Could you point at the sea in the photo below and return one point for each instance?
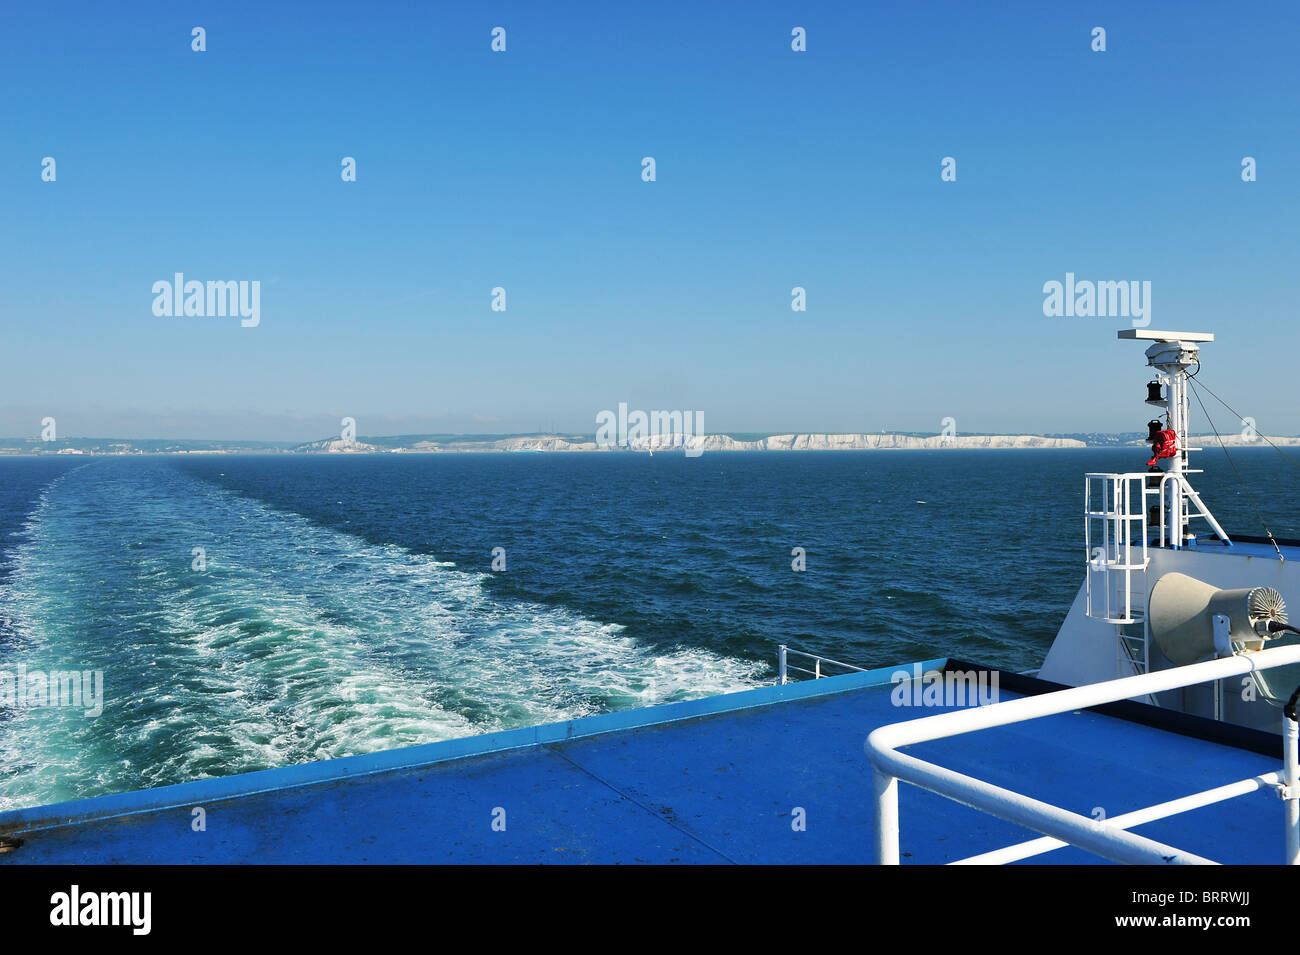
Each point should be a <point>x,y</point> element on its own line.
<point>250,612</point>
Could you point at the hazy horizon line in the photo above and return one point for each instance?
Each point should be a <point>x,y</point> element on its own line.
<point>567,435</point>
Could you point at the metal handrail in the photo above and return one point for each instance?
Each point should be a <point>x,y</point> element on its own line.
<point>1184,489</point>
<point>1109,840</point>
<point>1119,539</point>
<point>784,666</point>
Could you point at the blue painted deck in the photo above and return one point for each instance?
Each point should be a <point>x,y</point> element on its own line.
<point>708,781</point>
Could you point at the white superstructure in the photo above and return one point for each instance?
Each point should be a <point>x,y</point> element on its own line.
<point>1141,526</point>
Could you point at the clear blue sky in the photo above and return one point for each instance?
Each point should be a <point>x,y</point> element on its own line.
<point>523,170</point>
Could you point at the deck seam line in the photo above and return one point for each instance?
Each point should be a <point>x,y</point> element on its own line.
<point>644,808</point>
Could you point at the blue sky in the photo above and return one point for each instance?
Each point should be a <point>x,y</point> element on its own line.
<point>522,170</point>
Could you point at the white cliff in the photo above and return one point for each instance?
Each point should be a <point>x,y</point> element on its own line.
<point>779,442</point>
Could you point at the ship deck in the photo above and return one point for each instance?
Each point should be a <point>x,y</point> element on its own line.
<point>715,780</point>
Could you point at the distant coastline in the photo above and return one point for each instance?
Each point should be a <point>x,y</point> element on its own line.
<point>580,444</point>
<point>722,442</point>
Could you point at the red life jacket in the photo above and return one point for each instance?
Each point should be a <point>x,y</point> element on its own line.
<point>1164,446</point>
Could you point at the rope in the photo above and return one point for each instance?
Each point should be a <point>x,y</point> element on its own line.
<point>1196,390</point>
<point>1199,384</point>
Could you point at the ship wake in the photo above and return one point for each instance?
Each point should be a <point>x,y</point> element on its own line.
<point>234,637</point>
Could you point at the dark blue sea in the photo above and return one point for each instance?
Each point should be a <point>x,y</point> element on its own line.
<point>347,604</point>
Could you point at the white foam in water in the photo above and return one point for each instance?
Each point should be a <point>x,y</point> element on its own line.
<point>298,642</point>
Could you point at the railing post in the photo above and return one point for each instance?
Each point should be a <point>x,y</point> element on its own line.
<point>780,656</point>
<point>1058,824</point>
<point>886,792</point>
<point>1291,778</point>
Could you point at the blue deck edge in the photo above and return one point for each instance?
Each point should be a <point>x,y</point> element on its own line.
<point>19,821</point>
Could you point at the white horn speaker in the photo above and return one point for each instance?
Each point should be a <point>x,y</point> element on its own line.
<point>1181,612</point>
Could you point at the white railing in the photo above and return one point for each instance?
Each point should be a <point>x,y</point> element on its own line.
<point>1181,496</point>
<point>1115,540</point>
<point>785,667</point>
<point>1109,838</point>
<point>1115,533</point>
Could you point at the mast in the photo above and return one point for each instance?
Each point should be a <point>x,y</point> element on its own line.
<point>1172,355</point>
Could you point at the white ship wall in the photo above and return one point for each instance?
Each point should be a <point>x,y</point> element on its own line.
<point>1086,649</point>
